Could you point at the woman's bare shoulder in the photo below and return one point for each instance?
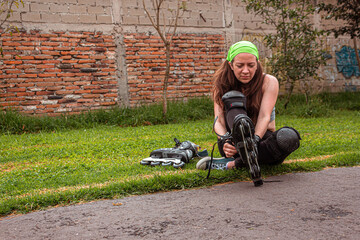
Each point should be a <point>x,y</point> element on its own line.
<point>270,82</point>
<point>270,78</point>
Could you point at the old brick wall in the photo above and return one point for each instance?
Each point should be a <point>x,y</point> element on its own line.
<point>76,55</point>
<point>58,72</point>
<point>195,57</point>
<point>59,62</point>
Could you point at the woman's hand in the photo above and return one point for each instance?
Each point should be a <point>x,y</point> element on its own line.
<point>229,150</point>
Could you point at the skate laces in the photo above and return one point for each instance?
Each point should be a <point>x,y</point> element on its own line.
<point>225,137</point>
<point>219,166</point>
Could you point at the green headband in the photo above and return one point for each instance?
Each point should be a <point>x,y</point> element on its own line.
<point>242,47</point>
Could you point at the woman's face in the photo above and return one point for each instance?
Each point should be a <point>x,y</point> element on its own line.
<point>244,66</point>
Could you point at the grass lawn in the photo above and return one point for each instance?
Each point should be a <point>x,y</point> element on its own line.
<point>38,170</point>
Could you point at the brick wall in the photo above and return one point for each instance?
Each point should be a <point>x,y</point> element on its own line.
<point>75,55</point>
<point>194,60</point>
<point>57,72</point>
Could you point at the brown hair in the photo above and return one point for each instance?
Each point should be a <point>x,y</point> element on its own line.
<point>225,81</point>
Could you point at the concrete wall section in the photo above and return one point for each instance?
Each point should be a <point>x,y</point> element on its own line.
<point>75,15</point>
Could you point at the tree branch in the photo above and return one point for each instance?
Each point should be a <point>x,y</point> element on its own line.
<point>157,24</point>
<point>8,11</point>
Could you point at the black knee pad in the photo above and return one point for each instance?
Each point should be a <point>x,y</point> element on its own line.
<point>234,99</point>
<point>288,139</point>
<point>283,142</point>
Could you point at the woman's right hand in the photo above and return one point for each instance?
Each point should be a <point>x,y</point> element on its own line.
<point>229,150</point>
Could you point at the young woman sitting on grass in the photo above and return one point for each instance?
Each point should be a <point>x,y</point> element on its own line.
<point>244,107</point>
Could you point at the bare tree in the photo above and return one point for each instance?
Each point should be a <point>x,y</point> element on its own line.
<point>166,33</point>
<point>6,10</point>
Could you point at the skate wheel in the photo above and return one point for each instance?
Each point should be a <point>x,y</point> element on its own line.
<point>166,163</point>
<point>249,144</point>
<point>181,164</point>
<point>255,172</point>
<point>246,126</point>
<point>241,127</point>
<point>142,162</point>
<point>253,156</point>
<point>255,168</point>
<point>155,163</point>
<point>258,183</point>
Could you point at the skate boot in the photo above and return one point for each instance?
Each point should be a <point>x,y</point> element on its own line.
<point>242,133</point>
<point>243,136</point>
<point>177,156</point>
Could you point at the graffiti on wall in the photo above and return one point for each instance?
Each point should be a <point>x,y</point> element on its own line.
<point>346,62</point>
<point>350,87</point>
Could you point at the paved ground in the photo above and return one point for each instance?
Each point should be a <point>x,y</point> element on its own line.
<point>320,205</point>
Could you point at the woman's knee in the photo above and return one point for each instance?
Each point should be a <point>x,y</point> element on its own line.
<point>279,145</point>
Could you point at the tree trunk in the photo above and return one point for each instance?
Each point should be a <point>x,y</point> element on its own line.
<point>289,93</point>
<point>307,97</point>
<point>166,78</point>
<point>356,52</point>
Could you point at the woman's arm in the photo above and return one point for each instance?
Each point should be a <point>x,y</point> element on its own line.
<point>270,94</point>
<point>220,128</point>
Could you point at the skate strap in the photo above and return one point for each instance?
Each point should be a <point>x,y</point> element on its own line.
<point>177,142</point>
<point>211,160</point>
<point>237,105</point>
<point>224,137</point>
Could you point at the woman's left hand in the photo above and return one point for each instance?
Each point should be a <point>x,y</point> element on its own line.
<point>229,150</point>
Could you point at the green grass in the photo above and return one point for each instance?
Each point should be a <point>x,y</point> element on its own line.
<point>47,169</point>
<point>321,105</point>
<point>61,167</point>
<point>12,122</point>
<point>178,112</point>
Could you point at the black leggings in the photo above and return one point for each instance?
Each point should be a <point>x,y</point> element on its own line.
<point>265,156</point>
<point>274,147</point>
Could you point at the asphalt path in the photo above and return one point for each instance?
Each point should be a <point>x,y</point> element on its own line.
<point>318,205</point>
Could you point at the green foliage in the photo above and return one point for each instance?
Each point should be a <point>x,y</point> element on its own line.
<point>6,9</point>
<point>346,10</point>
<point>194,109</point>
<point>320,105</point>
<point>296,45</point>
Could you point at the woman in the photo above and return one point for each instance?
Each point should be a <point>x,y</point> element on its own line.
<point>244,95</point>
